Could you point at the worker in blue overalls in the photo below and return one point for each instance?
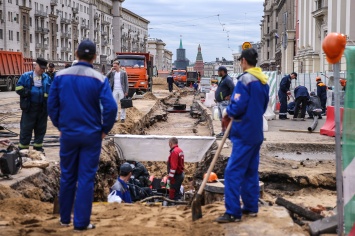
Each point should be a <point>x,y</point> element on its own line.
<point>33,88</point>
<point>248,105</point>
<point>284,92</point>
<point>74,107</point>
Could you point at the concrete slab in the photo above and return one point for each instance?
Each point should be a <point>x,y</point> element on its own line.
<point>22,175</point>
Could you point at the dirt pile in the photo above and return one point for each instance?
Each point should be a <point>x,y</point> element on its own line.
<point>132,116</point>
<point>149,96</point>
<point>7,192</point>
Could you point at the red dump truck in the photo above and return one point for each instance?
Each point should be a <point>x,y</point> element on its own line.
<point>140,71</point>
<point>12,66</point>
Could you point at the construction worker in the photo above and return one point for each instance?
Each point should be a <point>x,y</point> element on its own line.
<point>322,93</point>
<point>51,71</point>
<point>314,107</point>
<point>175,166</point>
<point>223,93</point>
<point>33,88</point>
<point>284,92</point>
<point>140,173</point>
<point>74,108</point>
<point>119,86</point>
<point>121,186</point>
<point>302,97</point>
<point>248,105</point>
<point>170,81</point>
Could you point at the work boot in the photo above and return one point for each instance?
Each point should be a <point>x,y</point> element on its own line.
<point>80,229</point>
<point>220,135</point>
<point>249,213</point>
<point>39,149</point>
<point>122,120</point>
<point>226,218</point>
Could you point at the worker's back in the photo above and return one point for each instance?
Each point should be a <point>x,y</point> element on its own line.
<point>76,95</point>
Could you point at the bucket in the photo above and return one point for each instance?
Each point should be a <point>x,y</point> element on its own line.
<point>215,112</point>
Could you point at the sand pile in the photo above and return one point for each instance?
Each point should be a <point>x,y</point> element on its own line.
<point>149,96</point>
<point>132,115</point>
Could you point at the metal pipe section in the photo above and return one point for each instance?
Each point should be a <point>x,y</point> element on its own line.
<point>339,168</point>
<point>314,124</point>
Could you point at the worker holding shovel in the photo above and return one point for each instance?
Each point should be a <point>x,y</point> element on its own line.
<point>248,104</point>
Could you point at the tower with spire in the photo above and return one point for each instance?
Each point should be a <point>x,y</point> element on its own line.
<point>199,61</point>
<point>181,61</point>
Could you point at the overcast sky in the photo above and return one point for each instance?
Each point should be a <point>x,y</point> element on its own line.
<point>198,23</point>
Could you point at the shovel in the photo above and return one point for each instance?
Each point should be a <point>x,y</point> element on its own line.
<point>196,203</point>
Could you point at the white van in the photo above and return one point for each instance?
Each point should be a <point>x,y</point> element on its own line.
<point>205,85</point>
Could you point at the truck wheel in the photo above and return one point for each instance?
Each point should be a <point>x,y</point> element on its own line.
<point>9,84</point>
<point>15,83</point>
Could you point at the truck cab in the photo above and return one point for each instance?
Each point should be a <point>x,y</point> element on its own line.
<point>140,71</point>
<point>180,77</point>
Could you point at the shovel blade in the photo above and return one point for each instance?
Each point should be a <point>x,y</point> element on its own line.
<point>196,208</point>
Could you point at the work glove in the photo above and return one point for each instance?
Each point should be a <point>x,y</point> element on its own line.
<point>224,113</point>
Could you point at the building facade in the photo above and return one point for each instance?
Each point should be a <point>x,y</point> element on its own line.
<point>278,29</point>
<point>181,61</point>
<point>162,56</point>
<point>52,29</point>
<point>199,66</point>
<point>208,69</point>
<point>315,20</point>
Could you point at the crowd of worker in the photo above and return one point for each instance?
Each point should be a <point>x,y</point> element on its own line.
<point>83,104</point>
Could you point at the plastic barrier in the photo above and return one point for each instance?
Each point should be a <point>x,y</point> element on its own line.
<point>329,125</point>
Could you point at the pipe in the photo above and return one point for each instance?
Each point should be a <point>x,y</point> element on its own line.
<point>314,124</point>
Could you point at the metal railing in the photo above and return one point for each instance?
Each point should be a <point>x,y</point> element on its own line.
<point>105,22</point>
<point>54,2</point>
<point>26,27</point>
<point>104,33</point>
<point>40,13</point>
<point>38,29</point>
<point>64,20</point>
<point>75,10</point>
<point>45,30</point>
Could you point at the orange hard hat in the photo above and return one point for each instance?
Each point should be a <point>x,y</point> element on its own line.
<point>342,82</point>
<point>333,46</point>
<point>318,78</point>
<point>213,177</point>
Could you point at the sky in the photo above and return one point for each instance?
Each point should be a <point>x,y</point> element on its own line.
<point>220,26</point>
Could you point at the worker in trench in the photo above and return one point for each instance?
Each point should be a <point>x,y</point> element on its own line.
<point>248,105</point>
<point>170,81</point>
<point>223,93</point>
<point>33,88</point>
<point>74,107</point>
<point>175,168</point>
<point>284,93</point>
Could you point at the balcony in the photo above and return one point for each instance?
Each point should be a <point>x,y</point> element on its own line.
<point>39,13</point>
<point>26,27</point>
<point>38,29</point>
<point>64,20</point>
<point>45,30</point>
<point>54,2</point>
<point>84,26</point>
<point>104,33</point>
<point>42,46</point>
<point>96,41</point>
<point>104,43</point>
<point>75,10</point>
<point>84,38</point>
<point>321,9</point>
<point>26,45</point>
<point>105,22</point>
<point>96,17</point>
<point>66,35</point>
<point>96,29</point>
<point>65,49</point>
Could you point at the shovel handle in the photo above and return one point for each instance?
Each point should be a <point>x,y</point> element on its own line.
<point>214,160</point>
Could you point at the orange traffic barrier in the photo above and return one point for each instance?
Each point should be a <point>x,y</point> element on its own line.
<point>329,126</point>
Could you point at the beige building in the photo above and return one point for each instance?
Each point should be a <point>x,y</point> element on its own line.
<point>134,31</point>
<point>277,46</point>
<point>162,57</point>
<point>52,29</point>
<point>209,69</point>
<point>316,19</point>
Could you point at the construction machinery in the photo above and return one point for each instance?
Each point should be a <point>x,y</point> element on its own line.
<point>12,66</point>
<point>192,77</point>
<point>180,77</point>
<point>140,71</point>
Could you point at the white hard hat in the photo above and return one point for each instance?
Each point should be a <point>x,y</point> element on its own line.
<point>74,62</point>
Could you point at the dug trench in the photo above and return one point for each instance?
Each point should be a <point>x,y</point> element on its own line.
<point>307,183</point>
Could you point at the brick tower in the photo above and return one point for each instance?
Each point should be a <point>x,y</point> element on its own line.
<point>199,61</point>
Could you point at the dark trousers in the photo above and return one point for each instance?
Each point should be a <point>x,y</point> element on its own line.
<point>170,87</point>
<point>283,104</point>
<point>323,103</point>
<point>79,160</point>
<point>33,120</point>
<point>175,185</point>
<point>241,178</point>
<point>300,101</point>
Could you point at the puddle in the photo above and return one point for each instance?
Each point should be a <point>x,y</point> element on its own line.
<point>304,156</point>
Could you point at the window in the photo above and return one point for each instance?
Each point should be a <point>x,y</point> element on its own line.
<point>9,1</point>
<point>17,18</point>
<point>30,21</point>
<point>18,36</point>
<point>30,38</point>
<point>16,2</point>
<point>11,35</point>
<point>30,3</point>
<point>31,54</point>
<point>36,6</point>
<point>1,34</point>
